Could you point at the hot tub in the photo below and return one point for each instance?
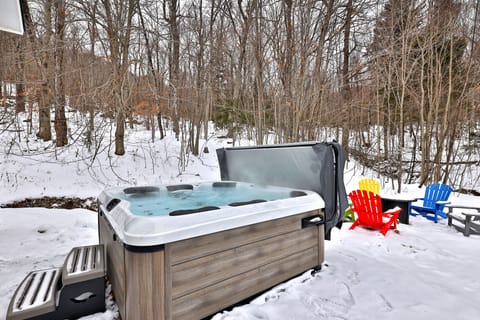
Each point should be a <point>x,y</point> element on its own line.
<point>188,251</point>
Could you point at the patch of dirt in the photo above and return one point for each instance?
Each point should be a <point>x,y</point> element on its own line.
<point>55,202</point>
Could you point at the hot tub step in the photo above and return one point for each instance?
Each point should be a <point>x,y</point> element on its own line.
<point>83,278</point>
<point>35,296</point>
<point>75,290</point>
<point>83,263</point>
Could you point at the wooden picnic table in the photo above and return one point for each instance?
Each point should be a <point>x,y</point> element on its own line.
<point>469,218</point>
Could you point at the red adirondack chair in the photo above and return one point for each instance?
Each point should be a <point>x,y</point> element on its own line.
<point>368,207</point>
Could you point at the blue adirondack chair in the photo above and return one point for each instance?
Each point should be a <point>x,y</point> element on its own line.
<point>435,199</point>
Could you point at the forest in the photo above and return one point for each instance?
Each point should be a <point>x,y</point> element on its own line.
<point>397,82</point>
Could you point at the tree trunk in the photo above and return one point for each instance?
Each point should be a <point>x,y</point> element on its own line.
<point>20,73</point>
<point>118,28</point>
<point>42,61</point>
<point>154,74</point>
<point>239,92</point>
<point>46,93</point>
<point>346,92</point>
<point>196,116</point>
<point>60,121</point>
<point>160,125</point>
<point>319,94</point>
<point>89,101</point>
<point>174,60</point>
<point>259,88</point>
<point>44,104</point>
<point>442,134</point>
<point>120,134</point>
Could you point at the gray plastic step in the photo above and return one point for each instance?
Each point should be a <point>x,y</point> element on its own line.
<point>36,295</point>
<point>75,290</point>
<point>83,263</point>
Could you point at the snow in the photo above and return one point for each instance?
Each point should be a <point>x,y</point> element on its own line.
<point>426,271</point>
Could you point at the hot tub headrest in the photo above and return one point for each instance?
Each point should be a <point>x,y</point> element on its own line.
<point>177,187</point>
<point>140,190</point>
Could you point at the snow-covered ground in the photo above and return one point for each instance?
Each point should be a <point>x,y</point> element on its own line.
<point>427,271</point>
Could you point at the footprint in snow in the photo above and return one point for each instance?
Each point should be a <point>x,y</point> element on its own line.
<point>274,296</point>
<point>385,304</point>
<point>257,314</point>
<point>324,308</point>
<point>334,307</point>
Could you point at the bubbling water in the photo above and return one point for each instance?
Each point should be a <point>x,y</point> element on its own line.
<point>163,202</point>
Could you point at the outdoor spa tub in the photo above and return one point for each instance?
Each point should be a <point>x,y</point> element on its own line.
<point>189,251</point>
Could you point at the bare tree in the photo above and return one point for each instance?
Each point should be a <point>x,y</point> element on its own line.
<point>20,87</point>
<point>60,121</point>
<point>117,21</point>
<point>154,73</point>
<point>297,69</point>
<point>171,15</point>
<point>44,65</point>
<point>346,90</point>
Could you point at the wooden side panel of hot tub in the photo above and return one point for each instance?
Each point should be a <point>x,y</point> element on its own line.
<point>145,293</point>
<point>210,273</point>
<point>115,258</point>
<point>194,278</point>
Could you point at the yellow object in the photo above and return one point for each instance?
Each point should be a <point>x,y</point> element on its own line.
<point>369,184</point>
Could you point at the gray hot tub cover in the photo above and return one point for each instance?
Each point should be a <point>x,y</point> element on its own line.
<point>316,166</point>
